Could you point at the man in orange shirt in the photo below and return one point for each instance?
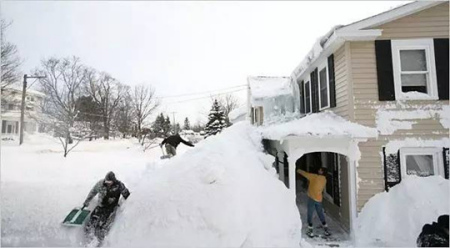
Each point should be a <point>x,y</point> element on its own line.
<point>316,185</point>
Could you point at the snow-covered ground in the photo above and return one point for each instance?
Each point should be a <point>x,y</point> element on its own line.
<point>223,192</point>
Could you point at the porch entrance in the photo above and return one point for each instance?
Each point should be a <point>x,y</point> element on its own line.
<point>336,201</point>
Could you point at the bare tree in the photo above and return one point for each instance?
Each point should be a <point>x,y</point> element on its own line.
<point>228,103</point>
<point>107,92</point>
<point>145,103</point>
<point>62,86</point>
<point>10,60</point>
<point>124,115</point>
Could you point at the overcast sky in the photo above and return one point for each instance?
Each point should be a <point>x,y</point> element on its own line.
<point>180,47</point>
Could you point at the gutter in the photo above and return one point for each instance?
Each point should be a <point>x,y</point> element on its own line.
<point>336,40</point>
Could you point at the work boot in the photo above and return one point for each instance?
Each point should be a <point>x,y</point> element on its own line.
<point>309,232</point>
<point>325,230</point>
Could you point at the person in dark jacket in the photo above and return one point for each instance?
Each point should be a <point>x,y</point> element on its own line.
<point>435,234</point>
<point>108,190</point>
<point>172,142</point>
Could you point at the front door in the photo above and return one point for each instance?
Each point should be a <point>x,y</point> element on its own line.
<point>9,128</point>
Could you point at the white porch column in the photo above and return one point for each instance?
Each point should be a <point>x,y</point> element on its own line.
<point>292,182</point>
<point>353,197</point>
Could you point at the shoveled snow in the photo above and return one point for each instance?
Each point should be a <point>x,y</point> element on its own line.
<point>319,124</point>
<point>415,95</point>
<point>222,192</point>
<point>262,87</point>
<point>396,218</point>
<point>219,194</point>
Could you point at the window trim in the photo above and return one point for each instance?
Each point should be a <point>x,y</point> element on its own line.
<point>438,165</point>
<point>323,66</point>
<point>307,80</point>
<point>414,44</point>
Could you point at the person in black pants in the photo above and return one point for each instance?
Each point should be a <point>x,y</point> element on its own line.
<point>109,191</point>
<point>172,142</point>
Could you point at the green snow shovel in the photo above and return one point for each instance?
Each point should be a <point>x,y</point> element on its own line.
<point>76,217</point>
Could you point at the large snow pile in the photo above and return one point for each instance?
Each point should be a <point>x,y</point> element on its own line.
<point>319,124</point>
<point>396,218</point>
<point>263,87</point>
<point>223,193</point>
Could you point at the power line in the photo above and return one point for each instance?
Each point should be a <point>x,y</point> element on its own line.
<point>204,92</point>
<point>204,97</point>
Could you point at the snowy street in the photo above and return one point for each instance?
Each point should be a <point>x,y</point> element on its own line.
<point>206,196</point>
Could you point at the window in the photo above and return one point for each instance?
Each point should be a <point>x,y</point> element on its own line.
<point>307,97</point>
<point>10,106</point>
<point>420,161</point>
<point>323,87</point>
<point>414,69</point>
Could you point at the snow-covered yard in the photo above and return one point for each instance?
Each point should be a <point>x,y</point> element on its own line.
<point>223,192</point>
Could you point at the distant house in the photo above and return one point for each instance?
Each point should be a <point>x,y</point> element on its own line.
<point>372,100</point>
<point>10,115</point>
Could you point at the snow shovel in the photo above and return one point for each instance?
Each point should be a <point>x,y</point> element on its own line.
<point>76,217</point>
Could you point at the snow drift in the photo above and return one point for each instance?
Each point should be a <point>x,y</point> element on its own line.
<point>396,218</point>
<point>223,193</point>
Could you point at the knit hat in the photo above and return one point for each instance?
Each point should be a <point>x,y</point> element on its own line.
<point>110,176</point>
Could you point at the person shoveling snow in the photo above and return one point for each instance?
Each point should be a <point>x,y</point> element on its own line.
<point>171,144</point>
<point>109,191</point>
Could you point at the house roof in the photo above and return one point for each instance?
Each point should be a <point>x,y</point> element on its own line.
<point>321,124</point>
<point>360,30</point>
<point>29,91</point>
<point>266,87</point>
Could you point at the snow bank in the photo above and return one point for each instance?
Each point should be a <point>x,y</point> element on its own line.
<point>319,124</point>
<point>219,194</point>
<point>396,218</point>
<point>238,114</point>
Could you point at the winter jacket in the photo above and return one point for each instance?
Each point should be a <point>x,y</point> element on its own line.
<point>108,196</point>
<point>175,140</point>
<point>316,184</point>
<point>434,235</point>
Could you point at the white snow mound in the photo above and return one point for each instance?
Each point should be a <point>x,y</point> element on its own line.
<point>219,194</point>
<point>396,218</point>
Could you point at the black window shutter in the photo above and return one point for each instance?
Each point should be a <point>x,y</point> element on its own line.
<point>3,126</point>
<point>441,58</point>
<point>392,169</point>
<point>446,161</point>
<point>336,187</point>
<point>286,169</point>
<point>314,91</point>
<point>302,96</point>
<point>331,81</point>
<point>17,126</point>
<point>385,73</point>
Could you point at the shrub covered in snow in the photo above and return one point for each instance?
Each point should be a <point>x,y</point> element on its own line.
<point>396,218</point>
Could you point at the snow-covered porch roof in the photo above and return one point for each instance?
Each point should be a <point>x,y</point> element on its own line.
<point>321,132</point>
<point>325,124</point>
<point>263,87</point>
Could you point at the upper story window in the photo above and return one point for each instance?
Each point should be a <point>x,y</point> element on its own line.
<point>10,106</point>
<point>324,92</point>
<point>307,94</point>
<point>414,69</point>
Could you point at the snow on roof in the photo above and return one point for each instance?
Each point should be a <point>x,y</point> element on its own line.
<point>29,91</point>
<point>238,112</point>
<point>348,31</point>
<point>321,124</point>
<point>266,87</point>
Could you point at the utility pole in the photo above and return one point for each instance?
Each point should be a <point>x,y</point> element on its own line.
<point>22,107</point>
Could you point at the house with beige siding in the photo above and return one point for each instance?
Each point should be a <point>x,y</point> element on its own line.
<point>386,76</point>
